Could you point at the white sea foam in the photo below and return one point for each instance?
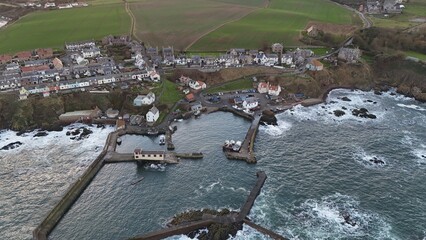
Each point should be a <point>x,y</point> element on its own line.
<point>325,112</point>
<point>411,106</point>
<point>325,219</point>
<point>366,159</point>
<point>278,130</point>
<point>45,168</point>
<point>249,233</point>
<point>420,153</point>
<point>156,167</point>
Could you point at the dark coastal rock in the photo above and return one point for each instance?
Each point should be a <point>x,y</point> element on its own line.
<point>370,101</point>
<point>41,134</point>
<point>377,92</point>
<point>344,108</point>
<point>392,94</point>
<point>339,113</point>
<point>215,230</point>
<point>79,133</point>
<point>346,99</point>
<point>268,117</point>
<point>11,146</point>
<point>55,127</point>
<point>377,161</point>
<point>363,113</point>
<point>332,102</point>
<point>100,126</point>
<point>348,220</point>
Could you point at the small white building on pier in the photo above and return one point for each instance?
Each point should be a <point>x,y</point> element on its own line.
<point>139,154</point>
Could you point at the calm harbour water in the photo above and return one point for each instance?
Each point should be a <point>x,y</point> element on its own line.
<point>317,165</point>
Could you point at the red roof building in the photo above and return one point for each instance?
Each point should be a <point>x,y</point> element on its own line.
<point>44,53</point>
<point>35,68</point>
<point>24,56</point>
<point>5,58</point>
<point>190,97</point>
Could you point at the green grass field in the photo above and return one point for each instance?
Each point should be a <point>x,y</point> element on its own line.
<point>170,94</point>
<point>281,22</point>
<point>54,28</point>
<point>178,23</point>
<point>240,84</point>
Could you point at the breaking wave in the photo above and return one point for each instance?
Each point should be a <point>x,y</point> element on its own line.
<point>338,216</point>
<point>369,160</point>
<point>278,130</point>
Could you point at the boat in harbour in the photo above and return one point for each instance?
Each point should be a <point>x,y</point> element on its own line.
<point>162,140</point>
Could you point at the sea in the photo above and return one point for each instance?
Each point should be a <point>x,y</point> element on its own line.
<point>321,168</point>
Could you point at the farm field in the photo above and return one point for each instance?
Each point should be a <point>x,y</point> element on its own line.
<point>240,84</point>
<point>180,22</point>
<point>54,28</point>
<point>281,22</point>
<point>420,56</point>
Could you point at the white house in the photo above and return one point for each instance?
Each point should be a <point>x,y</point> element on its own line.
<point>250,103</point>
<point>274,90</point>
<point>263,87</point>
<point>154,76</point>
<point>81,61</point>
<point>139,154</point>
<point>197,85</point>
<point>91,52</point>
<point>144,99</point>
<point>49,4</point>
<point>152,115</point>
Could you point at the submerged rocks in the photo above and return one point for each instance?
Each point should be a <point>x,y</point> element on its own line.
<point>363,113</point>
<point>41,134</point>
<point>11,146</point>
<point>348,220</point>
<point>346,99</point>
<point>377,161</point>
<point>339,113</point>
<point>79,133</point>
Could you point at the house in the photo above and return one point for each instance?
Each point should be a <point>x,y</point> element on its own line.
<point>44,53</point>
<point>197,85</point>
<point>277,48</point>
<point>312,31</point>
<point>12,66</point>
<point>190,97</point>
<point>139,154</point>
<point>152,115</point>
<point>84,115</point>
<point>57,63</point>
<point>184,80</point>
<point>33,63</point>
<point>168,54</point>
<point>250,103</point>
<point>144,99</point>
<point>350,55</point>
<point>154,76</point>
<point>196,108</point>
<point>151,51</point>
<point>237,51</point>
<point>315,65</point>
<point>81,61</point>
<point>24,56</point>
<point>263,87</point>
<point>49,4</point>
<point>91,52</point>
<point>23,94</point>
<point>274,90</point>
<point>391,6</point>
<point>64,6</point>
<point>116,40</point>
<point>79,45</point>
<point>6,58</point>
<point>238,100</point>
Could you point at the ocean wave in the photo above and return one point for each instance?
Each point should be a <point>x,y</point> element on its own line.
<point>369,160</point>
<point>155,167</point>
<point>338,216</point>
<point>411,106</point>
<point>420,153</point>
<point>249,233</point>
<point>276,130</point>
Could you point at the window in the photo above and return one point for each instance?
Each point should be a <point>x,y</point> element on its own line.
<point>143,155</point>
<point>155,155</point>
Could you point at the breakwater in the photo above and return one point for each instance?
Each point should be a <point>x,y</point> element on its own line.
<point>207,220</point>
<point>55,215</point>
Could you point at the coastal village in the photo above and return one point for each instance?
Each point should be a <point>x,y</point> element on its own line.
<point>117,62</point>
